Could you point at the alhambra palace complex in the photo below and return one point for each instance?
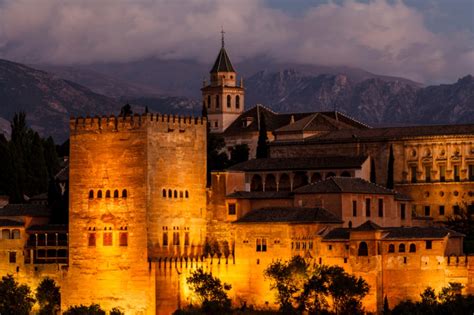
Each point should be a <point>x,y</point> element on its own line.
<point>141,216</point>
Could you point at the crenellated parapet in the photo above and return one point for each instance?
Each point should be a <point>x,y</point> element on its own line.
<point>122,123</point>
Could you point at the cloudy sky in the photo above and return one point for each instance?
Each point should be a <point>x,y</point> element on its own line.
<point>429,41</point>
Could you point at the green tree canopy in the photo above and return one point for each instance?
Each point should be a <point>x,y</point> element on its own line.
<point>15,299</point>
<point>48,297</point>
<point>93,309</point>
<point>262,143</point>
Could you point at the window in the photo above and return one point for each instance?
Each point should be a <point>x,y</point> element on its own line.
<point>208,101</point>
<point>5,234</point>
<point>456,173</point>
<point>367,207</point>
<point>237,102</point>
<point>181,194</point>
<point>107,194</point>
<point>107,238</point>
<point>216,124</point>
<point>91,239</point>
<point>91,194</point>
<point>413,174</point>
<point>176,238</point>
<point>164,193</point>
<point>412,248</point>
<point>170,193</point>
<point>441,210</point>
<point>471,172</point>
<point>428,174</point>
<point>456,210</point>
<point>262,245</point>
<point>310,244</point>
<point>124,193</point>
<point>228,101</point>
<point>231,208</point>
<point>116,193</point>
<point>16,234</point>
<point>442,173</point>
<point>329,247</point>
<point>363,249</point>
<point>350,225</point>
<point>403,211</point>
<point>186,194</point>
<point>186,238</point>
<point>175,194</point>
<point>380,207</point>
<point>428,244</point>
<point>427,211</point>
<point>12,257</point>
<point>165,237</point>
<point>401,248</point>
<point>217,101</point>
<point>99,194</point>
<point>391,248</point>
<point>354,208</point>
<point>123,239</point>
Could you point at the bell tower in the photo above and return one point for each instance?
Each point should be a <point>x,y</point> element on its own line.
<point>222,99</point>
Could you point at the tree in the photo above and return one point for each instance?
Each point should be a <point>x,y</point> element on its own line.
<point>210,291</point>
<point>48,297</point>
<point>15,299</point>
<point>346,291</point>
<point>126,110</point>
<point>116,311</point>
<point>373,177</point>
<point>448,294</point>
<point>391,162</point>
<point>262,144</point>
<point>239,153</point>
<point>386,308</point>
<point>93,309</point>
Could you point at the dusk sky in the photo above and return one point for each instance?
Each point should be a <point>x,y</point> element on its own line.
<point>430,41</point>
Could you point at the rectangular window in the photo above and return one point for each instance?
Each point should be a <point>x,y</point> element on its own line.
<point>413,174</point>
<point>165,238</point>
<point>456,173</point>
<point>428,174</point>
<point>329,247</point>
<point>107,238</point>
<point>91,239</point>
<point>259,245</point>
<point>367,207</point>
<point>186,238</point>
<point>176,238</point>
<point>380,207</point>
<point>427,211</point>
<point>12,257</point>
<point>403,211</point>
<point>297,245</point>
<point>231,209</point>
<point>442,173</point>
<point>354,208</point>
<point>310,245</point>
<point>441,210</point>
<point>123,239</point>
<point>429,244</point>
<point>264,244</point>
<point>456,210</point>
<point>471,172</point>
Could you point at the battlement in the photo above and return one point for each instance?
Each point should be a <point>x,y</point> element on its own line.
<point>119,123</point>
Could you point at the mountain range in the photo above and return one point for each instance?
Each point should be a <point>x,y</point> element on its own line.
<point>50,94</point>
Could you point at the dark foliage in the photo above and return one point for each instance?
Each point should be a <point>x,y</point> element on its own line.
<point>262,144</point>
<point>93,309</point>
<point>373,176</point>
<point>15,299</point>
<point>48,297</point>
<point>126,110</point>
<point>240,153</point>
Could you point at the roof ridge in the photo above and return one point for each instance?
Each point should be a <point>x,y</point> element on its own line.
<point>332,178</point>
<point>352,118</point>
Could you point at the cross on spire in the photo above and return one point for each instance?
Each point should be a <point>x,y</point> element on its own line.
<point>222,33</point>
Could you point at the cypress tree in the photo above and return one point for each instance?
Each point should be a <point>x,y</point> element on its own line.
<point>262,144</point>
<point>373,177</point>
<point>386,308</point>
<point>391,161</point>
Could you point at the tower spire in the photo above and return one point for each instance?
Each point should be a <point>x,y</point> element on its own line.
<point>222,33</point>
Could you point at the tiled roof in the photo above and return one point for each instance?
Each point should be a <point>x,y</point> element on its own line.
<point>420,232</point>
<point>344,185</point>
<point>6,222</point>
<point>402,197</point>
<point>25,209</point>
<point>289,215</point>
<point>302,163</point>
<point>48,228</point>
<point>315,122</point>
<point>261,195</point>
<point>337,234</point>
<point>367,226</point>
<point>222,63</point>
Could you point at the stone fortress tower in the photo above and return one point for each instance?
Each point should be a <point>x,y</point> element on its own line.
<point>136,197</point>
<point>223,98</point>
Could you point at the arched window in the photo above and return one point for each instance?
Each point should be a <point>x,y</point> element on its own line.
<point>186,194</point>
<point>16,234</point>
<point>217,101</point>
<point>350,224</point>
<point>229,101</point>
<point>330,174</point>
<point>345,174</point>
<point>164,193</point>
<point>5,234</point>
<point>316,177</point>
<point>270,183</point>
<point>401,248</point>
<point>300,179</point>
<point>91,194</point>
<point>107,194</point>
<point>391,248</point>
<point>170,193</point>
<point>208,101</point>
<point>363,249</point>
<point>116,194</point>
<point>284,183</point>
<point>412,248</point>
<point>176,194</point>
<point>124,193</point>
<point>256,184</point>
<point>99,194</point>
<point>181,195</point>
<point>237,102</point>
